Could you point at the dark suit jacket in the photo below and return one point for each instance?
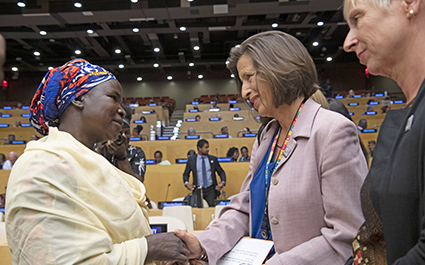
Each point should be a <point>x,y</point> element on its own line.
<point>215,167</point>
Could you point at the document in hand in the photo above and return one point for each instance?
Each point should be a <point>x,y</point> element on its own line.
<point>248,251</point>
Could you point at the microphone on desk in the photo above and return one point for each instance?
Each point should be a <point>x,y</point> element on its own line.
<point>166,195</point>
<point>216,152</point>
<point>224,194</point>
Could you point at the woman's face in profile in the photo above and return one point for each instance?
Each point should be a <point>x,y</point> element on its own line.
<point>102,112</point>
<point>236,155</point>
<point>254,88</point>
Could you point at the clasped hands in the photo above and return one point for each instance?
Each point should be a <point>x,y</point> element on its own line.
<point>178,247</point>
<point>191,187</point>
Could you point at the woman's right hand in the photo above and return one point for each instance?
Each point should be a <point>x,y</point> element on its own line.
<point>166,247</point>
<point>192,243</point>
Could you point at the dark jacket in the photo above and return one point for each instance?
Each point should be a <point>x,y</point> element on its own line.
<point>215,167</point>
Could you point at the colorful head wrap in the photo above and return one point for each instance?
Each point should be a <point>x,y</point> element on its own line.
<point>59,87</point>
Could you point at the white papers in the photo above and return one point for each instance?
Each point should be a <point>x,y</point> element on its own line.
<point>248,251</point>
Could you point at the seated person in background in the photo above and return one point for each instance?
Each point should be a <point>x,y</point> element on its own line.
<point>143,118</point>
<point>190,153</point>
<point>6,141</point>
<point>77,207</point>
<point>3,159</point>
<point>371,145</point>
<point>231,106</point>
<point>128,158</point>
<point>196,100</point>
<point>233,153</point>
<point>196,107</point>
<point>191,131</point>
<point>246,130</point>
<point>362,125</point>
<point>214,107</point>
<point>245,157</point>
<point>236,115</point>
<point>225,130</point>
<point>17,124</point>
<point>197,117</point>
<point>385,108</point>
<point>218,98</point>
<point>204,167</point>
<point>11,138</point>
<point>158,159</point>
<point>8,165</point>
<point>368,108</point>
<point>136,131</point>
<point>351,94</point>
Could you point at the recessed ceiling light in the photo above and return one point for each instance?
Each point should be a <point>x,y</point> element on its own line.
<point>117,51</point>
<point>37,53</point>
<point>50,68</point>
<point>275,25</point>
<point>191,64</point>
<point>90,31</point>
<point>182,28</point>
<point>14,69</point>
<point>21,4</point>
<point>320,23</point>
<point>77,52</point>
<point>155,65</point>
<point>329,59</point>
<point>139,79</point>
<point>232,76</point>
<point>121,66</point>
<point>169,77</point>
<point>190,0</point>
<point>78,5</point>
<point>227,62</point>
<point>134,1</point>
<point>156,49</point>
<point>196,48</point>
<point>200,76</point>
<point>135,30</point>
<point>315,43</point>
<point>42,32</point>
<point>237,46</point>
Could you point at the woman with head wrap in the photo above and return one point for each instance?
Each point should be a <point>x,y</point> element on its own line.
<point>66,204</point>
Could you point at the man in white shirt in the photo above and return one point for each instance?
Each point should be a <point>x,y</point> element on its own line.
<point>9,163</point>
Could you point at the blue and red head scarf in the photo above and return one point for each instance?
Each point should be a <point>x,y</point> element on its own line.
<point>59,87</point>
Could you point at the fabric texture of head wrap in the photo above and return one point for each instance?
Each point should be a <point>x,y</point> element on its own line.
<point>59,87</point>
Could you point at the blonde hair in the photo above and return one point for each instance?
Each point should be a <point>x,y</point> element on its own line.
<point>281,60</point>
<point>352,3</point>
<point>320,98</point>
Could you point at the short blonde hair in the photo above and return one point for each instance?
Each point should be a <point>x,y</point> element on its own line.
<point>320,98</point>
<point>376,3</point>
<point>281,60</point>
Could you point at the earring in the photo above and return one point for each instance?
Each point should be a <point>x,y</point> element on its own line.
<point>411,13</point>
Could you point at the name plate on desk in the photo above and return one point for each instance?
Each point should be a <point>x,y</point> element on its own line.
<point>135,139</point>
<point>369,131</point>
<point>181,160</point>
<point>221,136</point>
<point>339,97</point>
<point>161,138</point>
<point>195,103</point>
<point>235,109</point>
<point>379,95</point>
<point>133,105</point>
<point>357,96</point>
<point>150,162</point>
<point>398,101</point>
<point>238,118</point>
<point>152,104</point>
<point>25,125</point>
<point>224,159</point>
<point>374,103</point>
<point>7,107</point>
<point>214,119</point>
<point>233,101</point>
<point>189,137</point>
<point>138,121</point>
<point>18,142</point>
<point>221,202</point>
<point>249,135</point>
<point>25,107</point>
<point>191,120</point>
<point>353,104</point>
<point>5,115</point>
<point>25,115</point>
<point>370,112</point>
<point>193,110</point>
<point>171,203</point>
<point>146,112</point>
<point>2,125</point>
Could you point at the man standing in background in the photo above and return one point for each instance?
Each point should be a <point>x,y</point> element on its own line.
<point>204,167</point>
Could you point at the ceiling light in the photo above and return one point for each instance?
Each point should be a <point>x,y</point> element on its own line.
<point>117,51</point>
<point>191,64</point>
<point>196,48</point>
<point>275,25</point>
<point>237,46</point>
<point>169,77</point>
<point>315,43</point>
<point>42,32</point>
<point>21,4</point>
<point>320,23</point>
<point>90,31</point>
<point>200,76</point>
<point>135,30</point>
<point>182,28</point>
<point>37,53</point>
<point>155,65</point>
<point>190,0</point>
<point>78,5</point>
<point>77,52</point>
<point>232,76</point>
<point>156,49</point>
<point>14,69</point>
<point>50,68</point>
<point>134,1</point>
<point>121,66</point>
<point>227,62</point>
<point>329,59</point>
<point>139,79</point>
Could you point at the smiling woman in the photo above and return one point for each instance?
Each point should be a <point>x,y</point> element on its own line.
<point>66,204</point>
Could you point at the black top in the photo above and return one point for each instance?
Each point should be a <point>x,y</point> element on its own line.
<point>397,182</point>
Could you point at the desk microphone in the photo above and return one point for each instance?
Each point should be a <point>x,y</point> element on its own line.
<point>166,195</point>
<point>224,194</point>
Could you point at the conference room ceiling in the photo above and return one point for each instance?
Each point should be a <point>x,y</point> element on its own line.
<point>215,26</point>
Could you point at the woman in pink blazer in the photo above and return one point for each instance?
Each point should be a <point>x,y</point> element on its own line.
<point>303,186</point>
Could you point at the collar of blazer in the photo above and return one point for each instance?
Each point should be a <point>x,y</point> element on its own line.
<point>304,123</point>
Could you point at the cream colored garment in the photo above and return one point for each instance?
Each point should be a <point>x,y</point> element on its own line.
<point>68,205</point>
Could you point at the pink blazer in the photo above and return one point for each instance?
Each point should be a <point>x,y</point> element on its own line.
<point>314,198</point>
